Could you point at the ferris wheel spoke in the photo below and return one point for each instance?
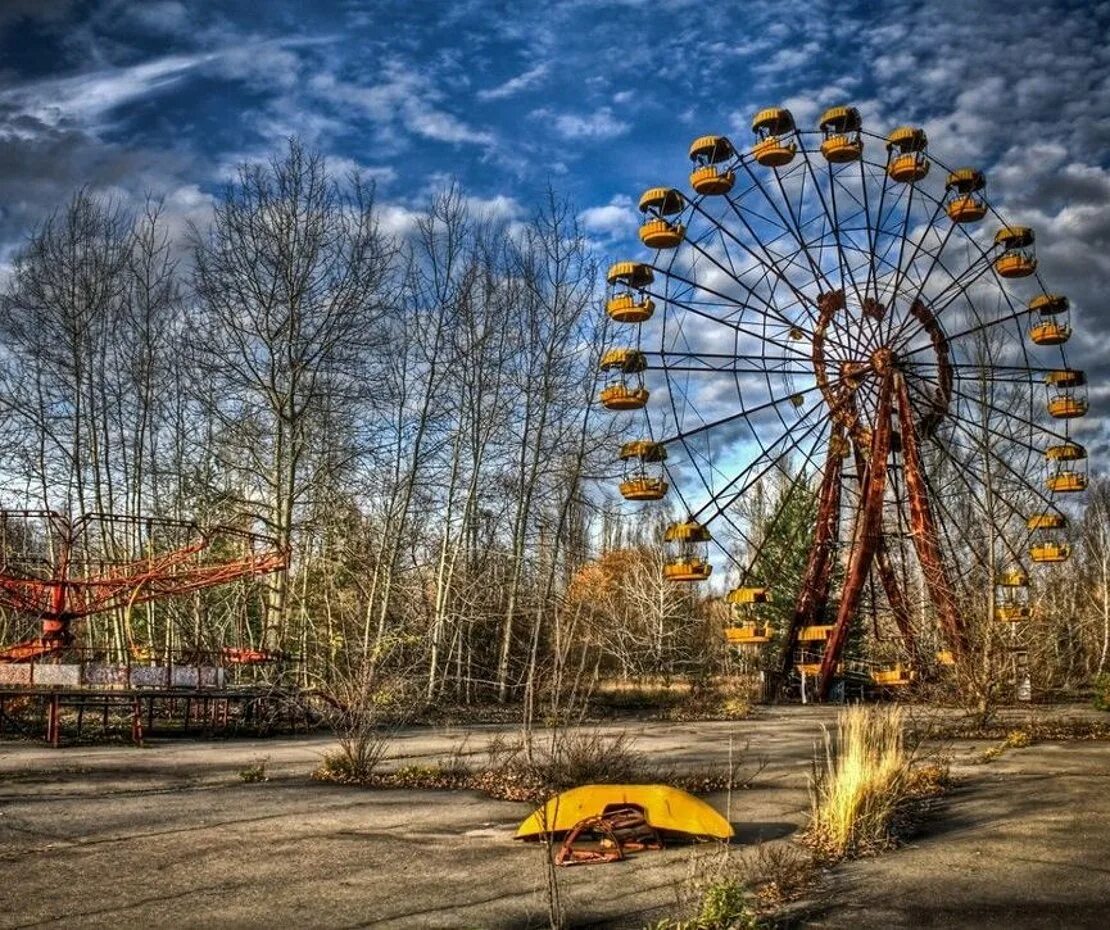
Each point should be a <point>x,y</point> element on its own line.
<point>845,267</point>
<point>1008,414</point>
<point>829,221</point>
<point>958,468</point>
<point>793,224</point>
<point>901,276</point>
<point>873,231</point>
<point>706,315</point>
<point>794,445</point>
<point>730,357</point>
<point>994,432</point>
<point>746,412</point>
<point>967,428</point>
<point>893,335</point>
<point>961,291</point>
<point>983,259</point>
<point>804,300</point>
<point>767,306</point>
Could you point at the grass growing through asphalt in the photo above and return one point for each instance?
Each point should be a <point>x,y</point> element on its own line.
<point>865,783</point>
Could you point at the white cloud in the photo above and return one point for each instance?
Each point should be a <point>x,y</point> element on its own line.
<point>404,102</point>
<point>87,98</point>
<point>515,85</point>
<point>601,123</point>
<point>612,220</point>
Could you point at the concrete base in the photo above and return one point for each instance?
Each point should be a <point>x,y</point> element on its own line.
<point>169,836</point>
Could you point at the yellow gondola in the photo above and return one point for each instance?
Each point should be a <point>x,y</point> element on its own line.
<point>1054,327</point>
<point>1049,333</point>
<point>626,308</point>
<point>1013,578</point>
<point>1066,475</point>
<point>1050,552</point>
<point>749,595</point>
<point>769,126</point>
<point>1068,482</point>
<point>1064,401</point>
<point>629,304</point>
<point>814,634</point>
<point>1017,259</point>
<point>906,159</point>
<point>707,153</point>
<point>895,677</point>
<point>622,397</point>
<point>688,545</point>
<point>643,488</point>
<point>657,232</point>
<point>747,635</point>
<point>1012,613</point>
<point>964,204</point>
<point>639,484</point>
<point>841,126</point>
<point>1046,521</point>
<point>620,393</point>
<point>635,275</point>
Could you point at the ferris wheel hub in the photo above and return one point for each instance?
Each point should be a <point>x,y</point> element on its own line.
<point>882,361</point>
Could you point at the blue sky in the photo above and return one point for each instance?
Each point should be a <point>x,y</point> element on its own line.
<point>599,99</point>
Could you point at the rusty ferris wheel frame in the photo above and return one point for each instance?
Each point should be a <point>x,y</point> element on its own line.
<point>849,310</point>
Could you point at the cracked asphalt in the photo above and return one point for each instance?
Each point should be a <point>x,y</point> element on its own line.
<point>169,836</point>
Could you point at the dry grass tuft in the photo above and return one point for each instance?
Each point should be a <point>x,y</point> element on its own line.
<point>255,772</point>
<point>866,782</point>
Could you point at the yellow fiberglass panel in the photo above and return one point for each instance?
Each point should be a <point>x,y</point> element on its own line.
<point>664,807</point>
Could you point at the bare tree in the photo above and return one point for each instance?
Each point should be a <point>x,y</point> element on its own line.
<point>292,281</point>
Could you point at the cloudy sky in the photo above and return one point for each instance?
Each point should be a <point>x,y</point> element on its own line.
<point>598,98</point>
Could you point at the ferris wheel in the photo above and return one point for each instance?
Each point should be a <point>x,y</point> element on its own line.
<point>838,310</point>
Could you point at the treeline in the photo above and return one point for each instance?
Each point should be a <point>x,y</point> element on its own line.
<point>410,415</point>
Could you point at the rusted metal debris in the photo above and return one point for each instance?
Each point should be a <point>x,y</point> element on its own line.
<point>608,837</point>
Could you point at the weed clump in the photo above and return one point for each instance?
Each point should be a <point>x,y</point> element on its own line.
<point>865,785</point>
<point>255,772</point>
<point>726,904</point>
<point>1101,697</point>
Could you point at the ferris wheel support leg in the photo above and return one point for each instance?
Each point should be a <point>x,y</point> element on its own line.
<point>818,574</point>
<point>923,528</point>
<point>868,533</point>
<point>889,579</point>
<point>897,601</point>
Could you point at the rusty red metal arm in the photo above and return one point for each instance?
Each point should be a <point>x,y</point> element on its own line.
<point>818,572</point>
<point>924,530</point>
<point>59,596</point>
<point>868,532</point>
<point>889,580</point>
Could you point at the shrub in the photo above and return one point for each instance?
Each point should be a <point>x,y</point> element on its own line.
<point>725,905</point>
<point>989,754</point>
<point>582,757</point>
<point>1101,697</point>
<point>1018,739</point>
<point>863,785</point>
<point>255,772</point>
<point>778,873</point>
